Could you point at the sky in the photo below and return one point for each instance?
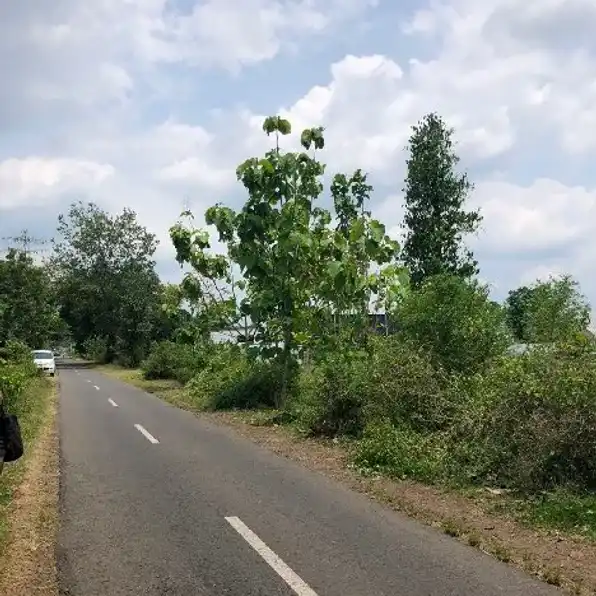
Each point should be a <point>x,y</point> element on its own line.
<point>151,104</point>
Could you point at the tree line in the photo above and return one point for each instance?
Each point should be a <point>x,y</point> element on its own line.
<point>303,274</point>
<point>443,397</point>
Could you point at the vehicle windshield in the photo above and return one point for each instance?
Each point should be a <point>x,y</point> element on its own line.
<point>42,355</point>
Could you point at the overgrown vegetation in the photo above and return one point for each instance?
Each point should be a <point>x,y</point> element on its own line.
<point>24,393</point>
<point>341,332</point>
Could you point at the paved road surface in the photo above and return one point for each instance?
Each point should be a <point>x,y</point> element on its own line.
<point>157,502</point>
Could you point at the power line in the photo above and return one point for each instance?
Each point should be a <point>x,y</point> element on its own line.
<point>25,242</point>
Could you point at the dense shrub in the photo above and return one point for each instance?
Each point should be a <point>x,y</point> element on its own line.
<point>454,320</point>
<point>170,360</point>
<point>530,421</point>
<point>17,352</point>
<point>230,379</point>
<point>400,452</point>
<point>404,388</point>
<point>17,369</point>
<point>329,396</point>
<point>389,381</point>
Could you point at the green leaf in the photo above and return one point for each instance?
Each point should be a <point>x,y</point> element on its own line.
<point>377,230</point>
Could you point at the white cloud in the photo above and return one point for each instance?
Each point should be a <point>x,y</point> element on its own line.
<point>84,53</point>
<point>99,82</point>
<point>545,216</point>
<point>35,180</point>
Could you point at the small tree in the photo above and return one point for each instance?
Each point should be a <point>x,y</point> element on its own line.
<point>516,307</point>
<point>295,269</point>
<point>435,195</point>
<point>455,321</point>
<point>556,311</point>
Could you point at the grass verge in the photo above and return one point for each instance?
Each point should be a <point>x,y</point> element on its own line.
<point>168,390</point>
<point>29,500</point>
<point>553,538</point>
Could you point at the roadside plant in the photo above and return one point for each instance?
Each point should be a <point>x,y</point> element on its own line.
<point>297,273</point>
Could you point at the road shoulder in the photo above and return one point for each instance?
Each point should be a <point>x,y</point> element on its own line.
<point>561,560</point>
<point>28,562</point>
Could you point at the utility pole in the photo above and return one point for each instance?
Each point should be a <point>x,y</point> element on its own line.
<point>25,243</point>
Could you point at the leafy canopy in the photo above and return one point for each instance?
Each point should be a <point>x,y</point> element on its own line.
<point>28,310</point>
<point>108,286</point>
<point>296,272</point>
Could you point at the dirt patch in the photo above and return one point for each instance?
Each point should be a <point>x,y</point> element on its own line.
<point>561,560</point>
<point>28,565</point>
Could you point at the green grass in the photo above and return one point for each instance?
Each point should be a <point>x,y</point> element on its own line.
<point>561,510</point>
<point>32,410</point>
<point>166,389</point>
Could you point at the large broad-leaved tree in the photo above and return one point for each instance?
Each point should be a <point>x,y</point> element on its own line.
<point>295,272</point>
<point>108,287</point>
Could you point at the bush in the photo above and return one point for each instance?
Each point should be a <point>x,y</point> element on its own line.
<point>391,381</point>
<point>400,453</point>
<point>17,352</point>
<point>230,379</point>
<point>329,396</point>
<point>454,320</point>
<point>17,369</point>
<point>96,349</point>
<point>404,388</point>
<point>530,422</point>
<point>170,360</point>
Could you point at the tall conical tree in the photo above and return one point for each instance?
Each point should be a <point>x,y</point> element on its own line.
<point>435,193</point>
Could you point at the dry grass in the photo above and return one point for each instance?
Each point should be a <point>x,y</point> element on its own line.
<point>28,562</point>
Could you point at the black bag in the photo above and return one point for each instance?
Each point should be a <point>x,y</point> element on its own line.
<point>10,436</point>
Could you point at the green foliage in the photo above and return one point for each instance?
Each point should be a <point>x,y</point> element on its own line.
<point>529,422</point>
<point>171,360</point>
<point>556,311</point>
<point>17,351</point>
<point>516,307</point>
<point>329,396</point>
<point>231,380</point>
<point>400,453</point>
<point>107,283</point>
<point>298,274</point>
<point>546,312</point>
<point>28,310</point>
<point>455,321</point>
<point>95,349</point>
<point>406,389</point>
<point>17,370</point>
<point>435,194</point>
<point>390,381</point>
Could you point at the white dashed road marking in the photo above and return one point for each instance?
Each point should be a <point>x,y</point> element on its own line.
<point>146,434</point>
<point>96,387</point>
<point>298,585</point>
<point>113,402</point>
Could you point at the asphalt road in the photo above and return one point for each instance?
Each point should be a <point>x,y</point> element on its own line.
<point>155,501</point>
